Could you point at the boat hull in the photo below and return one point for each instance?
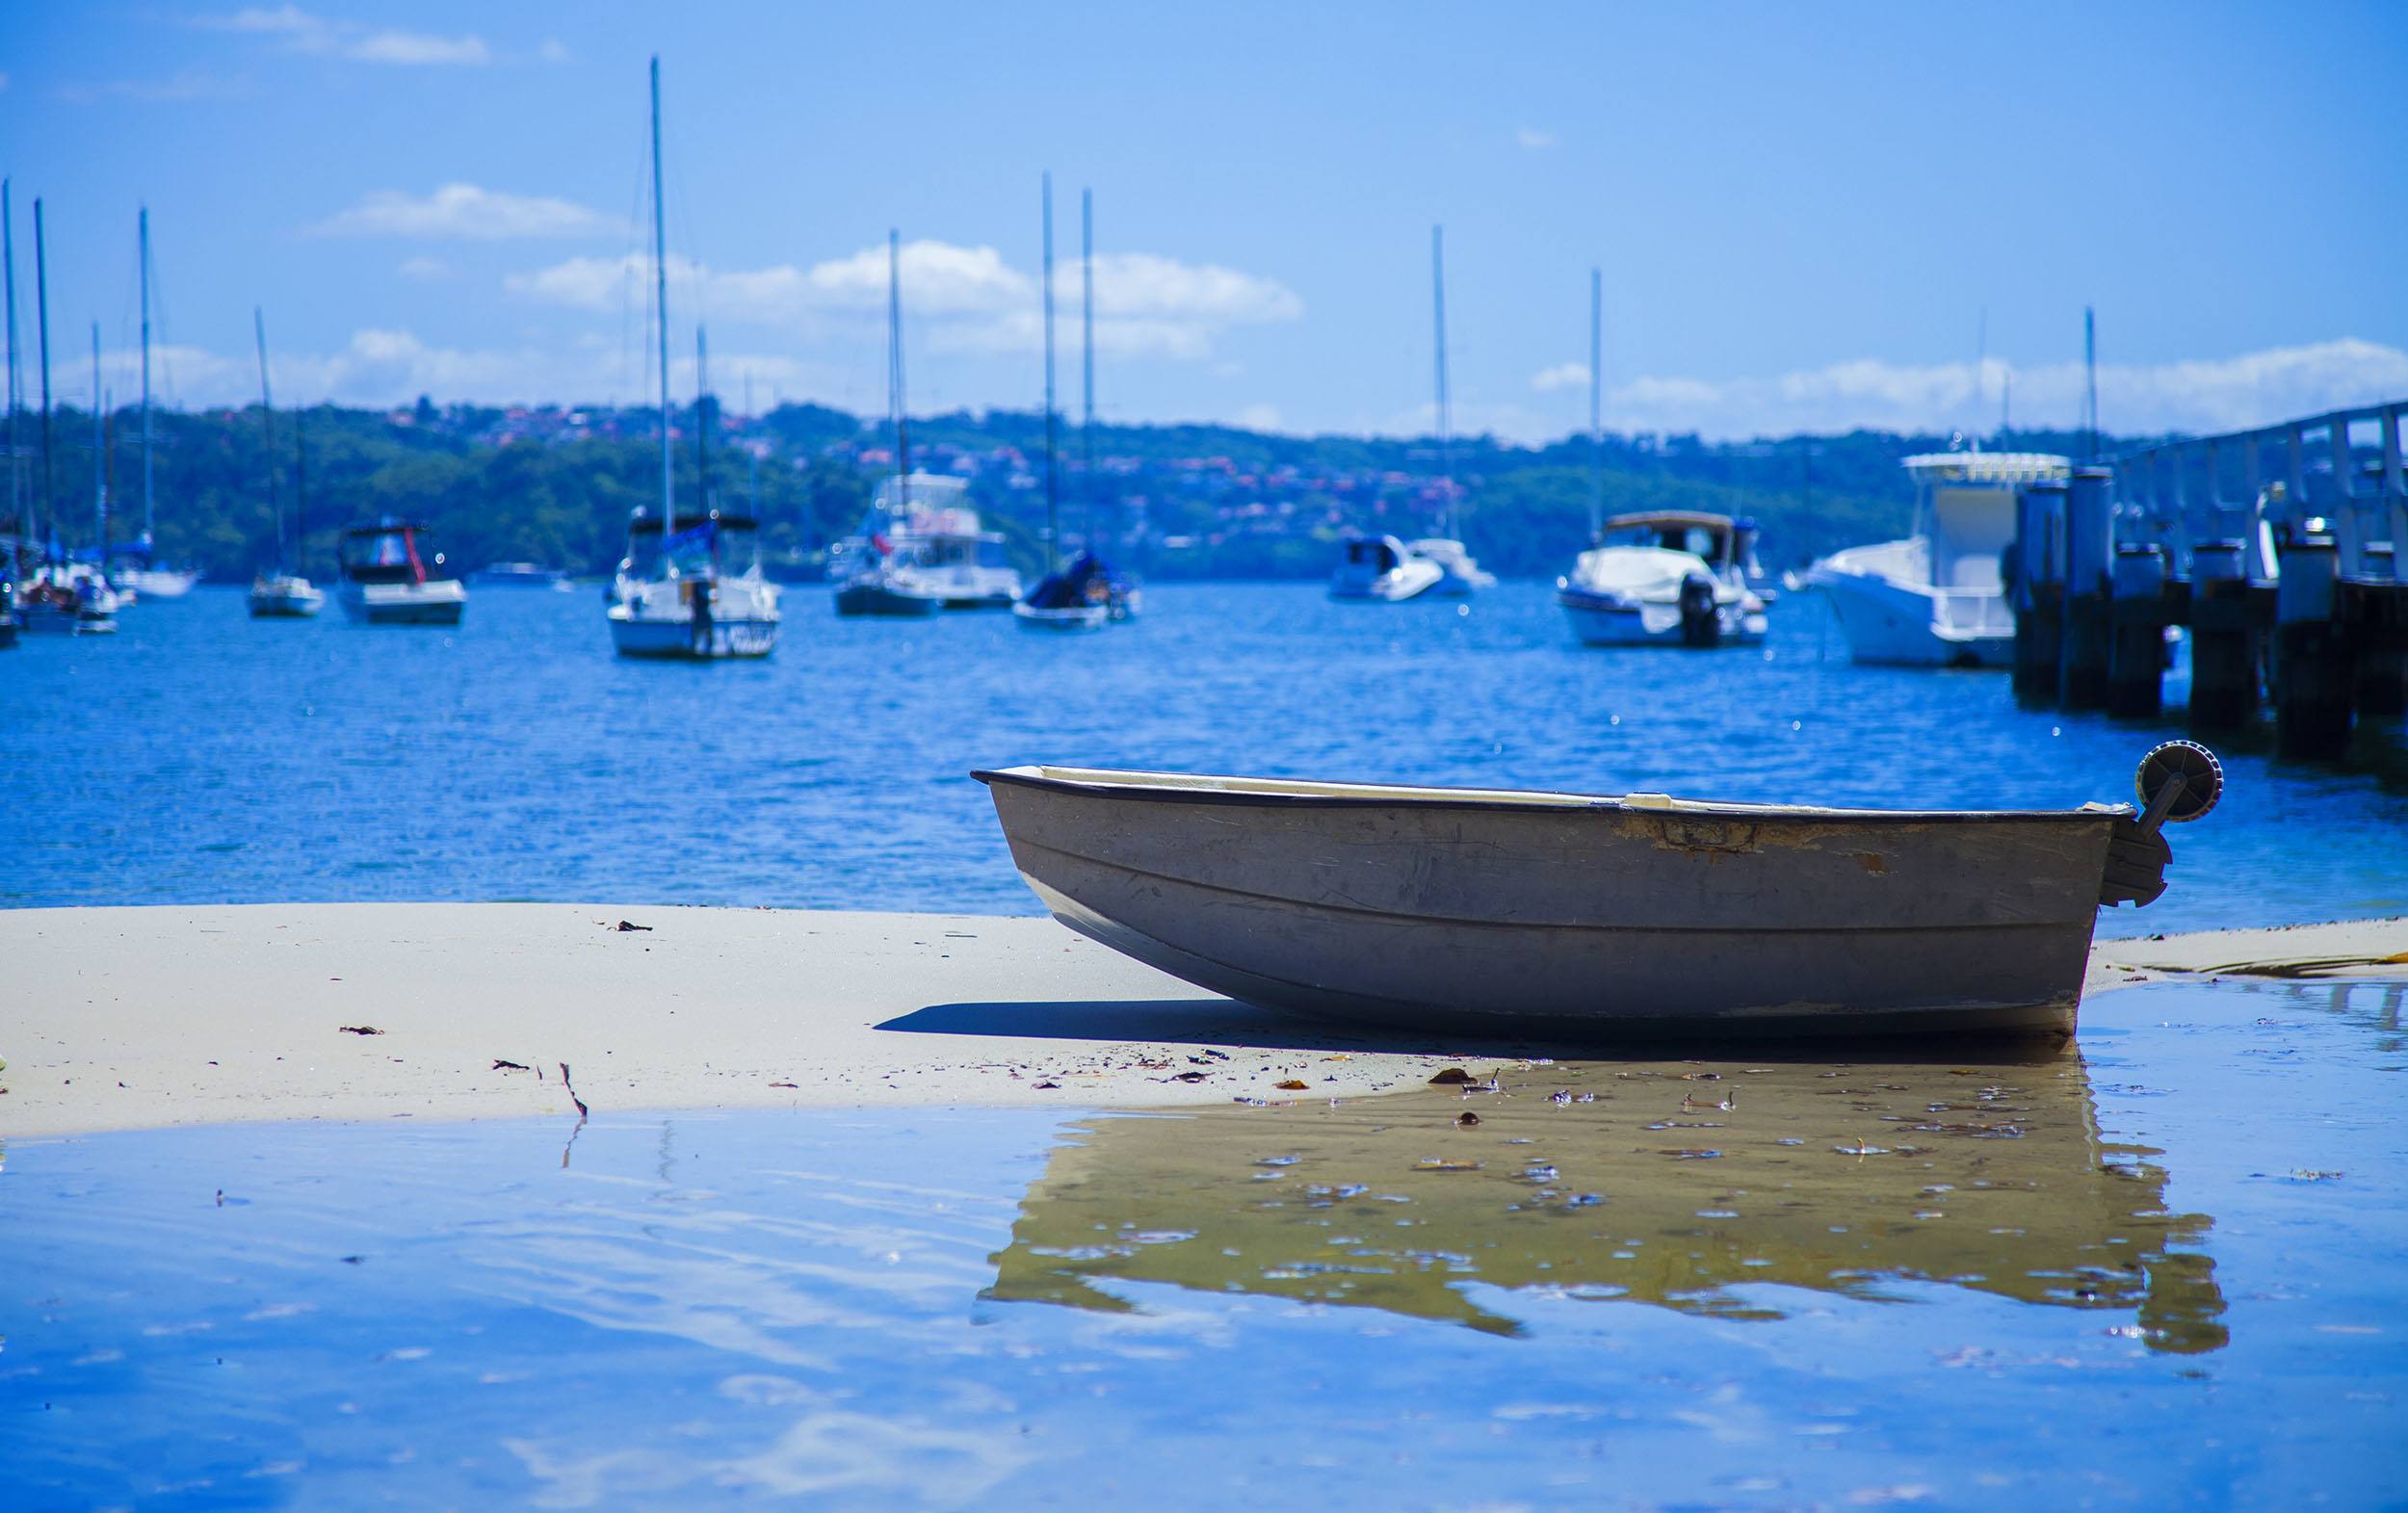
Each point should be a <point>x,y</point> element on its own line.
<point>1076,618</point>
<point>676,640</point>
<point>285,606</point>
<point>881,601</point>
<point>161,582</point>
<point>1594,920</point>
<point>1889,623</point>
<point>1599,623</point>
<point>437,602</point>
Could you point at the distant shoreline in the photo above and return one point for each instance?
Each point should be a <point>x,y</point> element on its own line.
<point>144,1017</point>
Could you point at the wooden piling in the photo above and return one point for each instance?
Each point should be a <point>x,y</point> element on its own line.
<point>2315,666</point>
<point>2137,643</point>
<point>2225,645</point>
<point>2038,561</point>
<point>2089,557</point>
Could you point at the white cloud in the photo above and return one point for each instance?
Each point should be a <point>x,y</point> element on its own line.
<point>1259,417</point>
<point>464,211</point>
<point>957,298</point>
<point>552,50</point>
<point>1530,139</point>
<point>1562,376</point>
<point>418,48</point>
<point>305,33</point>
<point>2198,396</point>
<point>425,269</point>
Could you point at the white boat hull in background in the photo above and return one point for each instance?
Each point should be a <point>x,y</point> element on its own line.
<point>1077,618</point>
<point>435,602</point>
<point>1891,620</point>
<point>1600,625</point>
<point>285,599</point>
<point>656,619</point>
<point>159,583</point>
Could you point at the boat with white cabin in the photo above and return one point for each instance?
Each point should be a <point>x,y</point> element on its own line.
<point>691,587</point>
<point>393,576</point>
<point>1483,911</point>
<point>1665,578</point>
<point>699,595</point>
<point>1937,597</point>
<point>922,548</point>
<point>1382,570</point>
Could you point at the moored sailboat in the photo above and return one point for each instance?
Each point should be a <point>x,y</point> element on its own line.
<point>691,587</point>
<point>137,566</point>
<point>1086,594</point>
<point>281,591</point>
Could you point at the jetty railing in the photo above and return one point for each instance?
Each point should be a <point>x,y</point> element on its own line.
<point>2278,548</point>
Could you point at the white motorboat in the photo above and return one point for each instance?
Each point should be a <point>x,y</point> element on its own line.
<point>1663,578</point>
<point>1481,910</point>
<point>1936,597</point>
<point>391,576</point>
<point>699,597</point>
<point>921,550</point>
<point>1382,570</point>
<point>284,596</point>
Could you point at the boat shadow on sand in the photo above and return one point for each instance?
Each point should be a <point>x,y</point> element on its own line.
<point>1230,1022</point>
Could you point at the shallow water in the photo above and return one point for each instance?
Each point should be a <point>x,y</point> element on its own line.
<point>200,757</point>
<point>2161,1270</point>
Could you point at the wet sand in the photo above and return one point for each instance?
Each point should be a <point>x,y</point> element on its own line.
<point>130,1018</point>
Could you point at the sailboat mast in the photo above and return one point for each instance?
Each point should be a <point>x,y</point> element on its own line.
<point>300,498</point>
<point>1052,505</point>
<point>266,430</point>
<point>41,321</point>
<point>660,311</point>
<point>143,222</point>
<point>1596,405</point>
<point>702,417</point>
<point>100,451</point>
<point>1445,443</point>
<point>16,387</point>
<point>2090,378</point>
<point>753,455</point>
<point>1086,360</point>
<point>895,368</point>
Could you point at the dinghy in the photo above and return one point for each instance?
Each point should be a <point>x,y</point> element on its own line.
<point>1588,916</point>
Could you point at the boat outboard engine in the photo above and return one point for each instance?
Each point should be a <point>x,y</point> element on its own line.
<point>1701,623</point>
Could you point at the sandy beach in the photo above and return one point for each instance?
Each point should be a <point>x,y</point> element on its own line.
<point>131,1018</point>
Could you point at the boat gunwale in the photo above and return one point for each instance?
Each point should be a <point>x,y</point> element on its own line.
<point>1136,787</point>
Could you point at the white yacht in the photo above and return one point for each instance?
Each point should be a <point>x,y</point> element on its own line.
<point>697,596</point>
<point>1936,598</point>
<point>1666,577</point>
<point>391,576</point>
<point>921,550</point>
<point>1382,570</point>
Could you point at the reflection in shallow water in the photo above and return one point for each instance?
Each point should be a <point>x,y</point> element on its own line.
<point>1676,1184</point>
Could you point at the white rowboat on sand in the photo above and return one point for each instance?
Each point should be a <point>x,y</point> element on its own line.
<point>1488,910</point>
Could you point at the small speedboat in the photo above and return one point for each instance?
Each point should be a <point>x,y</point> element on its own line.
<point>1087,596</point>
<point>284,596</point>
<point>1588,916</point>
<point>1385,570</point>
<point>391,577</point>
<point>1665,578</point>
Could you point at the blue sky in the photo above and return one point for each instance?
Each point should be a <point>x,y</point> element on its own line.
<point>1809,217</point>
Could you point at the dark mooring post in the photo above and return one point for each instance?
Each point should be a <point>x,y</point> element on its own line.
<point>2377,609</point>
<point>2089,564</point>
<point>2136,648</point>
<point>2314,671</point>
<point>2225,653</point>
<point>2039,588</point>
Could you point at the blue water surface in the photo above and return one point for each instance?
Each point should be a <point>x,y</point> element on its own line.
<point>2096,1278</point>
<point>201,757</point>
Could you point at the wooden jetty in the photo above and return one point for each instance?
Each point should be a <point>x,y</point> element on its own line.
<point>2276,549</point>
